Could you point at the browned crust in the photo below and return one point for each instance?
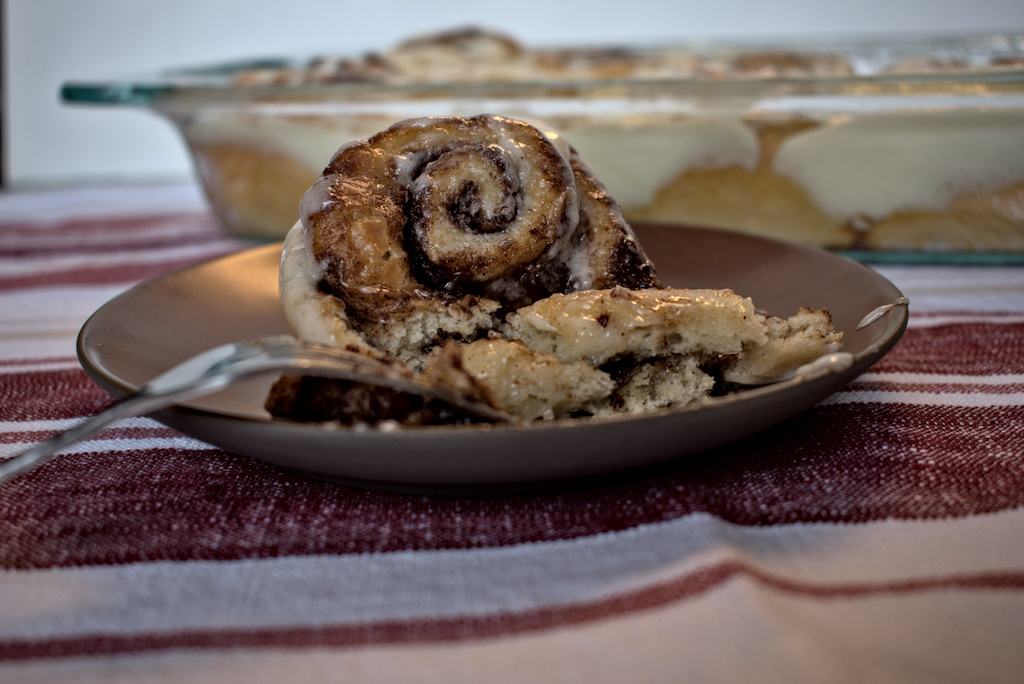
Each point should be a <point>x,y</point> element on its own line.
<point>616,256</point>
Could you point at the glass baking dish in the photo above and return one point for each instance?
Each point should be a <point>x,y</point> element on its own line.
<point>885,148</point>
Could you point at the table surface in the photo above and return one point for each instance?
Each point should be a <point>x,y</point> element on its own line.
<point>878,536</point>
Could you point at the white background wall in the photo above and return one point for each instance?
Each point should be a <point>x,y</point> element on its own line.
<point>48,42</point>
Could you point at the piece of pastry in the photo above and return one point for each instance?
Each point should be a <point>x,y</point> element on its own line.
<point>436,227</point>
<point>483,254</point>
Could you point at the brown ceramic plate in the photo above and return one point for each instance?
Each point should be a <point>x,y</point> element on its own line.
<point>161,322</point>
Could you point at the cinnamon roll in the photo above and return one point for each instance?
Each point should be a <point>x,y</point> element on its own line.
<point>483,253</point>
<point>436,227</point>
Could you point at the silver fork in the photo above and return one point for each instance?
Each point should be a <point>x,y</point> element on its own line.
<point>216,368</point>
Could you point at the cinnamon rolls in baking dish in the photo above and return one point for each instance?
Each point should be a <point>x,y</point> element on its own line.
<point>485,248</point>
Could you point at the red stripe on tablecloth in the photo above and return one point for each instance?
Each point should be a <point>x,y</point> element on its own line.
<point>981,348</point>
<point>462,628</point>
<point>30,382</point>
<point>49,395</point>
<point>841,463</point>
<point>64,245</point>
<point>134,234</point>
<point>109,235</point>
<point>106,225</point>
<point>108,274</point>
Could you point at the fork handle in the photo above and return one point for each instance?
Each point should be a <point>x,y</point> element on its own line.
<point>135,404</point>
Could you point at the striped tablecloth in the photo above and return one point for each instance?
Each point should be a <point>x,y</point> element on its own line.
<point>879,537</point>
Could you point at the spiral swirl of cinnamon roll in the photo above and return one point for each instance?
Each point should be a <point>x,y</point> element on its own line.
<point>436,226</point>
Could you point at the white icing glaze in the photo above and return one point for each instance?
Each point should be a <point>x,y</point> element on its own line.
<point>551,133</point>
<point>867,164</point>
<point>632,159</point>
<point>308,311</point>
<point>307,140</point>
<point>875,164</point>
<point>635,159</point>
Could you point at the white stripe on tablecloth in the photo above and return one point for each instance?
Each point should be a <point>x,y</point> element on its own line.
<point>961,399</point>
<point>967,289</point>
<point>938,320</point>
<point>123,445</point>
<point>61,204</point>
<point>739,632</point>
<point>67,363</point>
<point>31,331</point>
<point>41,343</point>
<point>65,423</point>
<point>306,591</point>
<point>98,445</point>
<point>31,306</point>
<point>943,379</point>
